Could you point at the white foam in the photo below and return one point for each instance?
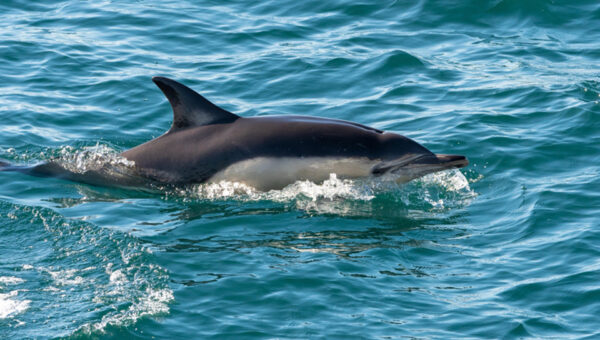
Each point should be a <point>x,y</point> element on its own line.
<point>65,277</point>
<point>446,189</point>
<point>154,302</point>
<point>435,192</point>
<point>453,180</point>
<point>122,287</point>
<point>334,188</point>
<point>118,278</point>
<point>331,189</point>
<point>10,280</point>
<point>9,306</point>
<point>91,158</point>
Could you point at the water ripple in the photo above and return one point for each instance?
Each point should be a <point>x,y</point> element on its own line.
<point>505,248</point>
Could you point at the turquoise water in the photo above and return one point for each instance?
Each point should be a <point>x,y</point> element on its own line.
<point>507,247</point>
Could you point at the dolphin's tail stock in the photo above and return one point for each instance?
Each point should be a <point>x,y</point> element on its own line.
<point>39,170</point>
<point>105,176</point>
<point>6,166</point>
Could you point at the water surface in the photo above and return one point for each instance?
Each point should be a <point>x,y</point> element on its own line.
<point>507,247</point>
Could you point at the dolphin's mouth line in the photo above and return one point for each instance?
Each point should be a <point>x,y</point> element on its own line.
<point>388,166</point>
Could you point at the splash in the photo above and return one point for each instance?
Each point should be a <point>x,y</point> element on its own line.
<point>99,159</point>
<point>10,305</point>
<point>91,158</point>
<point>434,192</point>
<point>441,190</point>
<point>331,189</point>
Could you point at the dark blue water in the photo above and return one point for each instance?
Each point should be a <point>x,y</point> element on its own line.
<point>507,247</point>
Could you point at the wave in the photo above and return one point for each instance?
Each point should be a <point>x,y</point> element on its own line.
<point>71,277</point>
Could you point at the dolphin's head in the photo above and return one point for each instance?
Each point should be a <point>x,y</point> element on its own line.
<point>405,159</point>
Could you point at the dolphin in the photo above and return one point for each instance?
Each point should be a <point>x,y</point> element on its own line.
<point>209,144</point>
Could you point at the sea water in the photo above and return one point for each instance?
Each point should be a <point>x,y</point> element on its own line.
<point>505,248</point>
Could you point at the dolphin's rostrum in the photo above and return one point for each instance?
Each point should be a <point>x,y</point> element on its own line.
<point>207,144</point>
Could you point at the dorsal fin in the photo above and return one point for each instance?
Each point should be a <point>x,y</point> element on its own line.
<point>189,107</point>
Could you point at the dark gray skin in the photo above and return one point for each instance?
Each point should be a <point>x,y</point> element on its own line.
<point>205,139</point>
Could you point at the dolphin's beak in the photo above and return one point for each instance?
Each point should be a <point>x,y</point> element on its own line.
<point>452,161</point>
<point>414,166</point>
<point>427,164</point>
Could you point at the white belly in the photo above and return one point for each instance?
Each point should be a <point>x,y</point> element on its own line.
<point>266,173</point>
